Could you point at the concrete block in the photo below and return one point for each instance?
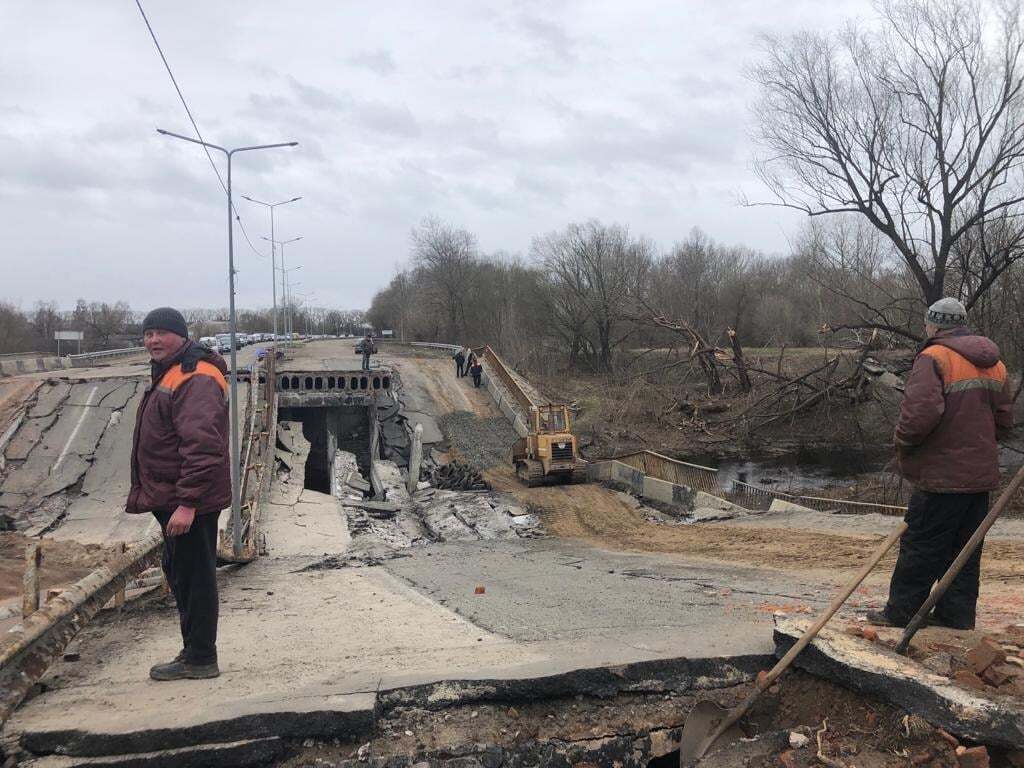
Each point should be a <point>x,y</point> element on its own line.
<point>708,501</point>
<point>780,505</point>
<point>656,490</point>
<point>599,471</point>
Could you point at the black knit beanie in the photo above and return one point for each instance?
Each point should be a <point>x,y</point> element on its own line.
<point>166,319</point>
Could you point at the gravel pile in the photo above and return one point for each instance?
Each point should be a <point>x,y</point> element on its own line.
<point>480,442</point>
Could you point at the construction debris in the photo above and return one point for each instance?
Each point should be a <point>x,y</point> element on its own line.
<point>456,476</point>
<point>976,713</point>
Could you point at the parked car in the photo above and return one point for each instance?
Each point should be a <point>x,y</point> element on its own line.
<point>210,342</point>
<point>224,342</point>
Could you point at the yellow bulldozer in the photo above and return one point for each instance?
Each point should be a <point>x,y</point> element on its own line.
<point>550,452</point>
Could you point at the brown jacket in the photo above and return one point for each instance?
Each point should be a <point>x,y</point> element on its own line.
<point>956,403</point>
<point>180,449</point>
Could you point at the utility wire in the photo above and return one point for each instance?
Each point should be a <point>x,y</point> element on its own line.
<point>195,126</point>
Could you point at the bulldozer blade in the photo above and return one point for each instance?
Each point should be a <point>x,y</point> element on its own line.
<point>700,724</point>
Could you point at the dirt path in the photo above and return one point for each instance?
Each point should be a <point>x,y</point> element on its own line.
<point>64,562</point>
<point>602,517</point>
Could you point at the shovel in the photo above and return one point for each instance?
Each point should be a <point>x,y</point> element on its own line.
<point>709,724</point>
<point>965,554</point>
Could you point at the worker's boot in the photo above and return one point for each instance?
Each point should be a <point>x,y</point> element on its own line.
<point>179,669</point>
<point>881,619</point>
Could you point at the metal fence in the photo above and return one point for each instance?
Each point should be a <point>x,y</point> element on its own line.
<point>758,497</point>
<point>673,470</point>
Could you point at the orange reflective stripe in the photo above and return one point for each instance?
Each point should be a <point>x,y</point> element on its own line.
<point>175,377</point>
<point>958,373</point>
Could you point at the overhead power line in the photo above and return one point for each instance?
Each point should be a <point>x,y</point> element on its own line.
<point>195,125</point>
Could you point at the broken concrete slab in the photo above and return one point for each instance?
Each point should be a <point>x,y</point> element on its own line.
<point>872,668</point>
<point>236,754</point>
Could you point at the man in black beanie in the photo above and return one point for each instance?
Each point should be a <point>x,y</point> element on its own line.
<point>181,472</point>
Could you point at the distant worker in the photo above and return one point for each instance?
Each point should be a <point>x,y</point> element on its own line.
<point>470,360</point>
<point>181,472</point>
<point>476,371</point>
<point>460,362</point>
<point>956,404</point>
<point>367,351</point>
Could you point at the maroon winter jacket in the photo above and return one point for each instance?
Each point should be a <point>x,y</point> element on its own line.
<point>180,449</point>
<point>956,403</point>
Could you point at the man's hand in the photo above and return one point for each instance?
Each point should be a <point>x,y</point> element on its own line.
<point>181,520</point>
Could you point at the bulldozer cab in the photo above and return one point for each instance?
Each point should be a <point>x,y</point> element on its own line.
<point>551,419</point>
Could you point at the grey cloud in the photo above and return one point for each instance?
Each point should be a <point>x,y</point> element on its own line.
<point>379,61</point>
<point>376,116</point>
<point>551,36</point>
<point>319,99</point>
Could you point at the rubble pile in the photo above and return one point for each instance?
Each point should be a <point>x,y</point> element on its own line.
<point>457,476</point>
<point>993,663</point>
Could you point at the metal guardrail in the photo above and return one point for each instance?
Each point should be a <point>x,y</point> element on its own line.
<point>26,355</point>
<point>107,354</point>
<point>29,649</point>
<point>751,496</point>
<point>673,470</point>
<point>501,371</point>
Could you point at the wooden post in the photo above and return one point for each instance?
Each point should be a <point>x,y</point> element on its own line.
<point>415,458</point>
<point>33,561</point>
<point>737,355</point>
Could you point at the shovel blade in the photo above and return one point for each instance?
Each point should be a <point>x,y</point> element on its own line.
<point>702,720</point>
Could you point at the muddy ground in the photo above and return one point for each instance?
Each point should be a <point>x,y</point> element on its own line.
<point>634,729</point>
<point>64,562</point>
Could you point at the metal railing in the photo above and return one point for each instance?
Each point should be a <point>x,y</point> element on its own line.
<point>257,460</point>
<point>496,366</point>
<point>757,497</point>
<point>673,470</point>
<point>87,358</point>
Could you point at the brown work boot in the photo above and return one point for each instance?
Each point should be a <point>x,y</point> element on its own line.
<point>179,669</point>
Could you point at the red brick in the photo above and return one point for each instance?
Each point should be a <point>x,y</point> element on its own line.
<point>998,674</point>
<point>984,655</point>
<point>870,634</point>
<point>787,759</point>
<point>968,679</point>
<point>949,738</point>
<point>972,757</point>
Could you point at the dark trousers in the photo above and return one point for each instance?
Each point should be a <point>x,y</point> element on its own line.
<point>476,380</point>
<point>190,565</point>
<point>940,525</point>
<point>458,368</point>
<point>366,362</point>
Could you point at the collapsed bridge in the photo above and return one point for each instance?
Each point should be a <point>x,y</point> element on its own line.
<point>372,607</point>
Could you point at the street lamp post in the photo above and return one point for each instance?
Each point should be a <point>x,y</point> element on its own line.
<point>288,293</point>
<point>273,263</point>
<point>236,480</point>
<point>282,244</point>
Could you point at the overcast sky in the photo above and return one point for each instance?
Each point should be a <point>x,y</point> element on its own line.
<point>507,118</point>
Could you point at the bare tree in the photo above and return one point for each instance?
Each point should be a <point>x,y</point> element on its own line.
<point>916,125</point>
<point>599,272</point>
<point>446,254</point>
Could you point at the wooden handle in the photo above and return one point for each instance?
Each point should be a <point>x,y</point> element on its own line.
<point>965,554</point>
<point>765,680</point>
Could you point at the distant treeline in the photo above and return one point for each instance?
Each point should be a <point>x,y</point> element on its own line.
<point>589,293</point>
